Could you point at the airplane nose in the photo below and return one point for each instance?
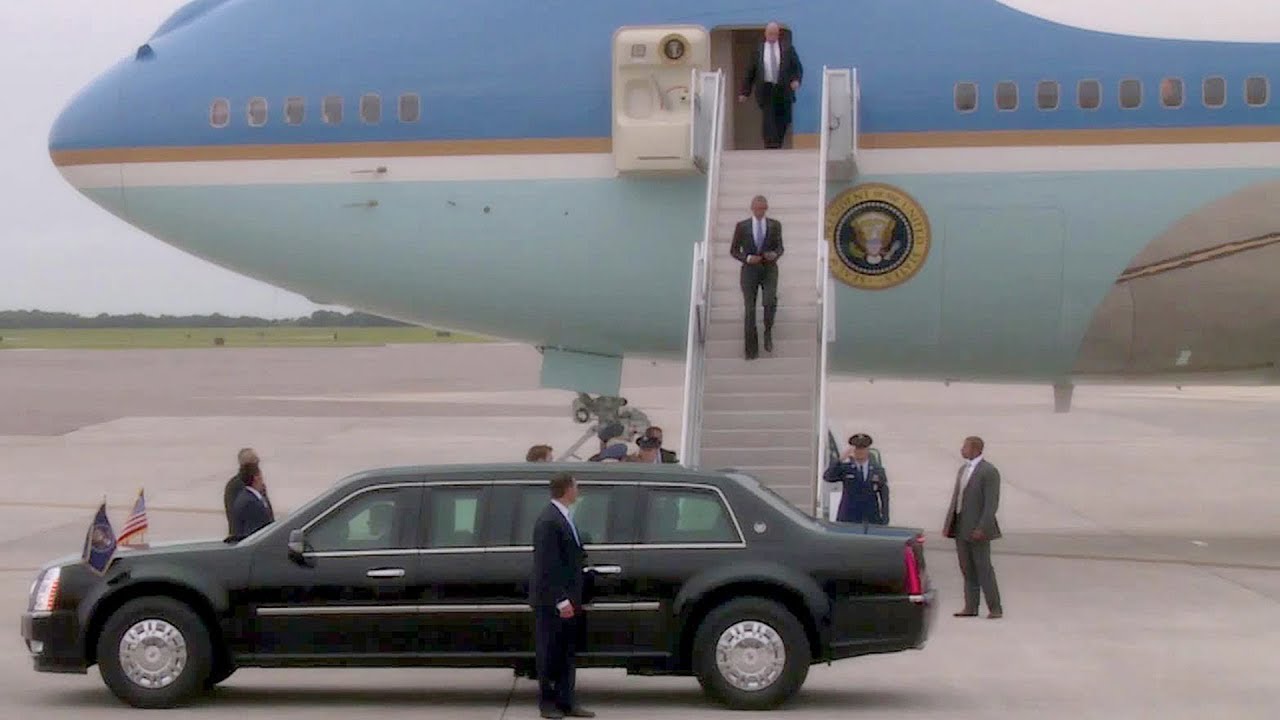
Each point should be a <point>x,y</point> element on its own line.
<point>84,136</point>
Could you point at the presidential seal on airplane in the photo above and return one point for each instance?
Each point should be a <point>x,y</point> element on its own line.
<point>879,236</point>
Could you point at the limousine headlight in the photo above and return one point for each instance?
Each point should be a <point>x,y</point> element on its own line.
<point>44,593</point>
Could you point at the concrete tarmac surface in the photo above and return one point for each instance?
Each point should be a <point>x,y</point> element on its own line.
<point>1140,569</point>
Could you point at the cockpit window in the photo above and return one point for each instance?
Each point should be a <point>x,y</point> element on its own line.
<point>258,112</point>
<point>220,113</point>
<point>371,109</point>
<point>331,110</point>
<point>410,108</point>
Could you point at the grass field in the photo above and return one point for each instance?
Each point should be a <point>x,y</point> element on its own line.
<point>124,338</point>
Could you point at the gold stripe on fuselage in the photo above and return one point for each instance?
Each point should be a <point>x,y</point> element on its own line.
<point>561,146</point>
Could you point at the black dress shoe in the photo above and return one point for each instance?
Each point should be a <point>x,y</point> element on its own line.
<point>995,614</point>
<point>579,713</point>
<point>553,713</point>
<point>768,344</point>
<point>966,613</point>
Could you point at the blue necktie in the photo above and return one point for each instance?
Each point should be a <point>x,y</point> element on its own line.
<point>759,235</point>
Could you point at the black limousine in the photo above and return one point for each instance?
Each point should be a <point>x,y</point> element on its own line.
<point>692,573</point>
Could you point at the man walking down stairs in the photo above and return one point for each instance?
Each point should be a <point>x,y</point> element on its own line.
<point>757,244</point>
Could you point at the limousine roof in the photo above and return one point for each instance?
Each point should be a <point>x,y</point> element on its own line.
<point>513,471</point>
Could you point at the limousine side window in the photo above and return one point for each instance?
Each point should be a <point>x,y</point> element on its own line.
<point>683,516</point>
<point>454,520</point>
<point>374,520</point>
<point>590,514</point>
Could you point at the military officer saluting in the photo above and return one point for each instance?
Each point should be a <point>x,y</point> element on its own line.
<point>865,496</point>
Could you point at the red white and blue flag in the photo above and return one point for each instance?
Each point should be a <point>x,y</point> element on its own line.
<point>137,522</point>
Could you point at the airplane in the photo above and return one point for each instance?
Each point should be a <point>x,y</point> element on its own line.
<point>1099,205</point>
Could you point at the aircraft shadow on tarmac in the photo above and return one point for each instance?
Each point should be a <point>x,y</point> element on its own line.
<point>266,696</point>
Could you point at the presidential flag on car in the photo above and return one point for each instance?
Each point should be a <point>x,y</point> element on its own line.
<point>99,542</point>
<point>136,524</point>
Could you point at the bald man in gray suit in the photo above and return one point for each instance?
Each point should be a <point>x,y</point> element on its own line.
<point>971,520</point>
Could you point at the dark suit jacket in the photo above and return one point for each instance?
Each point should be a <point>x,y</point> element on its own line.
<point>977,506</point>
<point>744,239</point>
<point>249,514</point>
<point>229,495</point>
<point>789,68</point>
<point>558,562</point>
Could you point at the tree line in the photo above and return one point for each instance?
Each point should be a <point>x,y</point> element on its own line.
<point>41,320</point>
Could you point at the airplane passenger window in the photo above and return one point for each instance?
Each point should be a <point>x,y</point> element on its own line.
<point>1130,94</point>
<point>1257,91</point>
<point>1047,95</point>
<point>331,110</point>
<point>371,109</point>
<point>1171,92</point>
<point>410,108</point>
<point>966,97</point>
<point>1006,96</point>
<point>295,110</point>
<point>1214,92</point>
<point>220,113</point>
<point>1089,94</point>
<point>258,112</point>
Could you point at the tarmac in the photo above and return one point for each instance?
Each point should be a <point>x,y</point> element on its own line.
<point>1140,567</point>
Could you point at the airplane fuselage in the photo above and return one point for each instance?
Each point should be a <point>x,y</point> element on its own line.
<point>1128,237</point>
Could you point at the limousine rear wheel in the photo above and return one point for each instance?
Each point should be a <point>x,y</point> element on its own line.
<point>751,654</point>
<point>154,652</point>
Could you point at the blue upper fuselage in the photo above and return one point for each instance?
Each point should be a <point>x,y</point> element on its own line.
<point>490,69</point>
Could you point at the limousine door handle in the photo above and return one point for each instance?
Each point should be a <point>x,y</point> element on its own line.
<point>386,573</point>
<point>605,569</point>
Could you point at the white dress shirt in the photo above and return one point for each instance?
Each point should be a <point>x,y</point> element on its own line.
<point>772,61</point>
<point>964,480</point>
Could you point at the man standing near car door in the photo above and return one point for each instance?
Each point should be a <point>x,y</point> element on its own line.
<point>971,520</point>
<point>556,592</point>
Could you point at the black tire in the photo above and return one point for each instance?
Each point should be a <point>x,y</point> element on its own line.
<point>172,621</point>
<point>778,622</point>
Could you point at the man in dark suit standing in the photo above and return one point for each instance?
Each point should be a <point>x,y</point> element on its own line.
<point>235,485</point>
<point>971,520</point>
<point>557,593</point>
<point>774,76</point>
<point>757,244</point>
<point>252,510</point>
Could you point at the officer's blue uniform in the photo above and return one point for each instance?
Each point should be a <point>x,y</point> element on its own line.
<point>865,499</point>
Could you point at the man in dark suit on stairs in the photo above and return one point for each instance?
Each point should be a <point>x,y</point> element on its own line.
<point>757,244</point>
<point>774,76</point>
<point>971,520</point>
<point>557,592</point>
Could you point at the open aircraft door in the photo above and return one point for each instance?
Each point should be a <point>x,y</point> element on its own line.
<point>653,70</point>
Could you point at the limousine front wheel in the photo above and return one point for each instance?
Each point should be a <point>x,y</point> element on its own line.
<point>751,654</point>
<point>154,652</point>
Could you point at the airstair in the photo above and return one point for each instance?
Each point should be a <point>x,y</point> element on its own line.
<point>765,416</point>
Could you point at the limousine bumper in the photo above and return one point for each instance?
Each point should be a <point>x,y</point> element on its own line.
<point>881,624</point>
<point>52,639</point>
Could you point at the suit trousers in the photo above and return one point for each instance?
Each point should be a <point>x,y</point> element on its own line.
<point>557,643</point>
<point>775,106</point>
<point>975,566</point>
<point>754,278</point>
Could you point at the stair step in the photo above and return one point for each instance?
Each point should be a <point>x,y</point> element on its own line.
<point>756,456</point>
<point>730,297</point>
<point>730,438</point>
<point>757,400</point>
<point>782,330</point>
<point>753,420</point>
<point>764,365</point>
<point>730,384</point>
<point>786,313</point>
<point>781,348</point>
<point>798,286</point>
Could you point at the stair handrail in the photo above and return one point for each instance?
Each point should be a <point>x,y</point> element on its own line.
<point>709,93</point>
<point>826,327</point>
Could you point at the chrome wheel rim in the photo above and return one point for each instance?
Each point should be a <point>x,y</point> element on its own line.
<point>751,655</point>
<point>153,654</point>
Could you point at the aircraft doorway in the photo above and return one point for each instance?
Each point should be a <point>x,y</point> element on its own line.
<point>731,51</point>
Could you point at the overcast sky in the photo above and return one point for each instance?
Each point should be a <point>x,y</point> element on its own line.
<point>58,250</point>
<point>61,252</point>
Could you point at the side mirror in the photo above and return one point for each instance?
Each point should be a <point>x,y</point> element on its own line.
<point>297,545</point>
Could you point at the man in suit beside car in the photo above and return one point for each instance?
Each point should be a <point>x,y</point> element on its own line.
<point>971,520</point>
<point>557,592</point>
<point>235,485</point>
<point>252,510</point>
